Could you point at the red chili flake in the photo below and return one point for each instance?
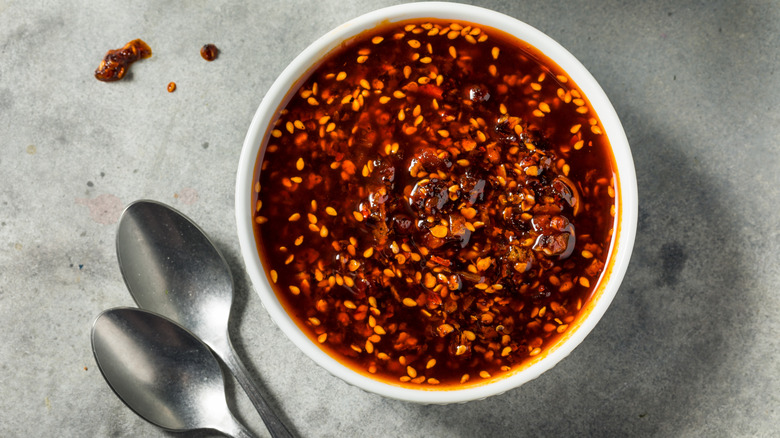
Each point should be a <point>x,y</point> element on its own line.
<point>431,90</point>
<point>441,261</point>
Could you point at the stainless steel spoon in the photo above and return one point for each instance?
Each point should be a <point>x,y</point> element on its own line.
<point>172,268</point>
<point>162,372</point>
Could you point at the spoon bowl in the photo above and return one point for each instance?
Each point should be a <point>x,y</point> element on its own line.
<point>171,267</point>
<point>162,372</point>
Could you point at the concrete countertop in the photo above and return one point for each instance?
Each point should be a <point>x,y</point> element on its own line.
<point>689,346</point>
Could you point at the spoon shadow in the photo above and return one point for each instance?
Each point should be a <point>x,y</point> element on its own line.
<point>672,336</point>
<point>241,310</point>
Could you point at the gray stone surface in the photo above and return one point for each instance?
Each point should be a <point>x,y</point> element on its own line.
<point>689,347</point>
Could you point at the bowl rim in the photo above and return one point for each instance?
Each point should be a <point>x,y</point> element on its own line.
<point>627,201</point>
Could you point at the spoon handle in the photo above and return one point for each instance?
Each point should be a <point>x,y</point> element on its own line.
<point>272,422</point>
<point>232,428</point>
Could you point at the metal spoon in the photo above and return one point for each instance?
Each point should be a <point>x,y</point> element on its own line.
<point>172,268</point>
<point>162,372</point>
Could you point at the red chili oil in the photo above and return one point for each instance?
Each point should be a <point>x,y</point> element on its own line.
<point>115,64</point>
<point>435,203</point>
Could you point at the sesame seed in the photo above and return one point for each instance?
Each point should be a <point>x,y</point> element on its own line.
<point>439,231</point>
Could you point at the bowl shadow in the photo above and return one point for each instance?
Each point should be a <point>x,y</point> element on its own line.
<point>650,363</point>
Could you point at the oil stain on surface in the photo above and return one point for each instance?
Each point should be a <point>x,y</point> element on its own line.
<point>187,196</point>
<point>105,209</point>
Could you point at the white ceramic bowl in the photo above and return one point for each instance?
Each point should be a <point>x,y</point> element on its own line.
<point>625,227</point>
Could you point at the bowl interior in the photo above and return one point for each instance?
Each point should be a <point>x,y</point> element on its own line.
<point>626,201</point>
